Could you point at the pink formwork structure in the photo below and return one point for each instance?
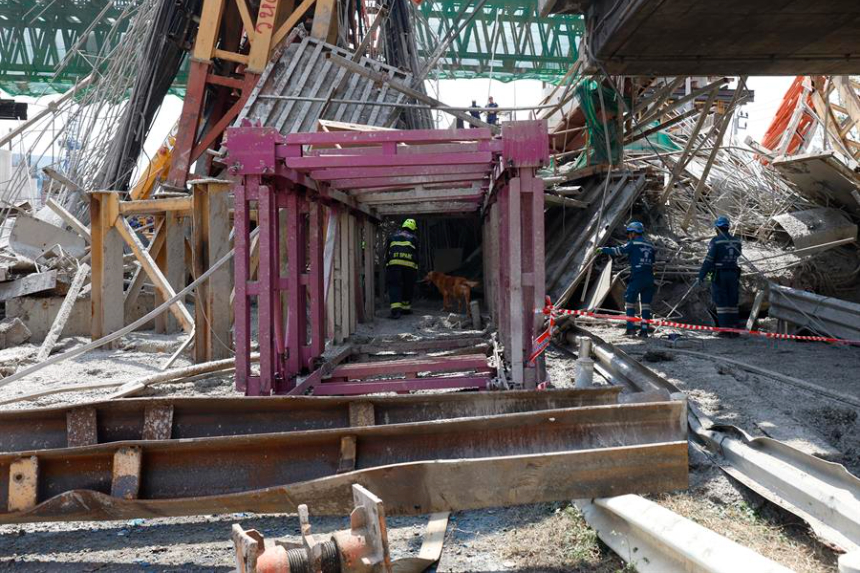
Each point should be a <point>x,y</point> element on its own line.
<point>317,198</point>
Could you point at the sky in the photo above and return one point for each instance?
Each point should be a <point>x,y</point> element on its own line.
<point>769,92</point>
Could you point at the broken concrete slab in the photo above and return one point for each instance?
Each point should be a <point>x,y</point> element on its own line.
<point>30,237</point>
<point>817,227</point>
<point>30,284</point>
<point>13,332</point>
<point>39,314</point>
<point>823,178</point>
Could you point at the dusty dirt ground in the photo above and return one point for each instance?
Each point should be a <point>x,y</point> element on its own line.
<point>545,537</point>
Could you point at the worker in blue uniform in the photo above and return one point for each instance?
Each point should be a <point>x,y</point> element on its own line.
<point>721,264</point>
<point>402,268</point>
<point>640,287</point>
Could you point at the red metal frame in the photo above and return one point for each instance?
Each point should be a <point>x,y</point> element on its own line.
<point>283,173</point>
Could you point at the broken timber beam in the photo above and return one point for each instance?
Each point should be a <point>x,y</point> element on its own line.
<point>428,467</point>
<point>64,313</point>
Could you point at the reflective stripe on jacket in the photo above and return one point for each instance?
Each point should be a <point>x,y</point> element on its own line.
<point>640,253</point>
<point>403,249</point>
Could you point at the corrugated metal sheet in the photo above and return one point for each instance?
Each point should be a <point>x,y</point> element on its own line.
<point>303,69</point>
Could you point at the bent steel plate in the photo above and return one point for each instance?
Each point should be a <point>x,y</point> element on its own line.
<point>179,418</point>
<point>432,466</point>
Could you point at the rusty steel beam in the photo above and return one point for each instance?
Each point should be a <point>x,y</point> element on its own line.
<point>446,465</point>
<point>181,418</point>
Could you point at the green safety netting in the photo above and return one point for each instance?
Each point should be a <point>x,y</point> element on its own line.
<point>597,153</point>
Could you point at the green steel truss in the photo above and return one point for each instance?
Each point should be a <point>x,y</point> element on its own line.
<point>507,40</point>
<point>36,35</point>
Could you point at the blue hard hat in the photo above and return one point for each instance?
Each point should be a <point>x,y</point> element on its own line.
<point>722,222</point>
<point>635,227</point>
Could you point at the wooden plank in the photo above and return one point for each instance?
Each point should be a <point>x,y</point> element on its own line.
<point>325,21</point>
<point>30,284</point>
<point>64,313</point>
<point>369,287</point>
<point>69,219</point>
<point>161,284</point>
<point>756,308</point>
<point>353,274</point>
<point>208,29</point>
<point>157,422</point>
<point>220,283</point>
<point>171,261</point>
<point>81,427</point>
<point>442,364</point>
<point>343,318</point>
<point>156,243</point>
<point>291,22</point>
<point>106,276</point>
<point>126,473</point>
<point>264,29</point>
<point>514,262</point>
<point>150,206</point>
<point>361,414</point>
<point>23,484</point>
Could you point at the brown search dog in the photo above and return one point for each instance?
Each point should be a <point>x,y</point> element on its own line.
<point>458,288</point>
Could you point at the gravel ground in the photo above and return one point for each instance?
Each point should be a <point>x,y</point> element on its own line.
<point>545,537</point>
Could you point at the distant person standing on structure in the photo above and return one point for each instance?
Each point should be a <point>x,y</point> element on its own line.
<point>492,117</point>
<point>475,112</point>
<point>721,264</point>
<point>402,268</point>
<point>640,253</point>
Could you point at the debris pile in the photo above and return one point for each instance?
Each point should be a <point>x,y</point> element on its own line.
<point>797,215</point>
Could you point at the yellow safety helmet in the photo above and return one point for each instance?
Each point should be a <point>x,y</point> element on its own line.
<point>410,224</point>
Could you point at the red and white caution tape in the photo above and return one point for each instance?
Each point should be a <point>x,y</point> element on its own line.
<point>542,342</point>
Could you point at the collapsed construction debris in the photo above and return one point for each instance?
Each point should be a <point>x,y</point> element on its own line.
<point>256,244</point>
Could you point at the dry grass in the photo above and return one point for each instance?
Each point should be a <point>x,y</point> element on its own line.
<point>559,540</point>
<point>790,545</point>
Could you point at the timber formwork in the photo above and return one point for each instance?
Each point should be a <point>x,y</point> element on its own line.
<point>318,198</point>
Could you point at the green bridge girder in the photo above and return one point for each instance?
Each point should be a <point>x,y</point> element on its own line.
<point>508,40</point>
<point>36,35</point>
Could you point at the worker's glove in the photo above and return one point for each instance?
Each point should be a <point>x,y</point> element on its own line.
<point>598,251</point>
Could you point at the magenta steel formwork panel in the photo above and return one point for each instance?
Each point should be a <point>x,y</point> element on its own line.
<point>287,181</point>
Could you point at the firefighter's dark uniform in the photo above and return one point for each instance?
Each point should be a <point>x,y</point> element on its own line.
<point>722,260</point>
<point>640,287</point>
<point>401,270</point>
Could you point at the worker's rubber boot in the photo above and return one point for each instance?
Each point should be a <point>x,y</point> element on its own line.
<point>631,333</point>
<point>643,334</point>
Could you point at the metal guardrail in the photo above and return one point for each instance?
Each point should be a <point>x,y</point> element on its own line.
<point>824,494</point>
<point>820,314</point>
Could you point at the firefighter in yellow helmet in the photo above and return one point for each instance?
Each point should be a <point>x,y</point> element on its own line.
<point>402,267</point>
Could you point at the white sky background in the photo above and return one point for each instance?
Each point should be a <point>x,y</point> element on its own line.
<point>769,92</point>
